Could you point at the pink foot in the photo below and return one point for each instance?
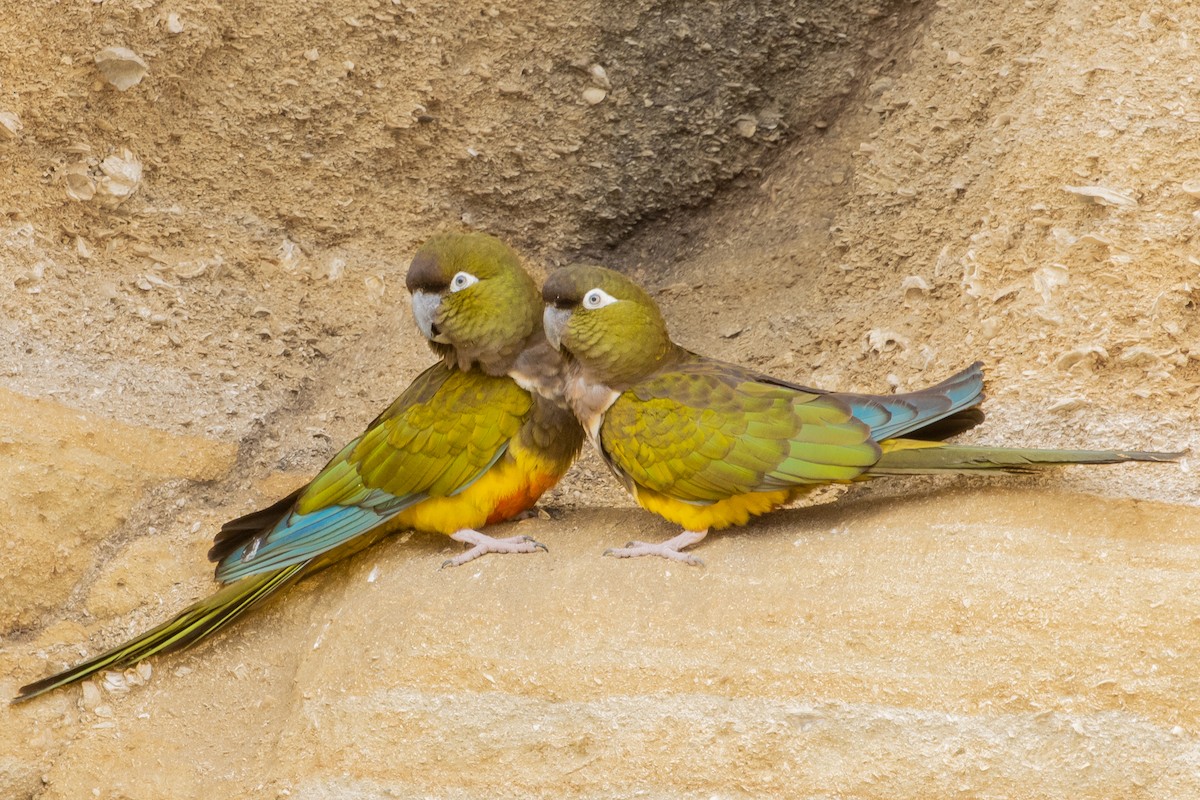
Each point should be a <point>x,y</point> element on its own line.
<point>484,544</point>
<point>668,549</point>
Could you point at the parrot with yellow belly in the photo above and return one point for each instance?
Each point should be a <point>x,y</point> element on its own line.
<point>707,444</point>
<point>474,440</point>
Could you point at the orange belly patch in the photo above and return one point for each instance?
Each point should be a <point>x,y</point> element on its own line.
<point>511,486</point>
<point>523,498</point>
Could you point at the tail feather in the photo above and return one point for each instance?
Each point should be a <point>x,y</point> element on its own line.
<point>199,620</point>
<point>949,426</point>
<point>240,531</point>
<point>915,457</point>
<point>934,412</point>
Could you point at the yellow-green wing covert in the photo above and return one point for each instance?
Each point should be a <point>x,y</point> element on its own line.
<point>446,430</point>
<point>700,434</point>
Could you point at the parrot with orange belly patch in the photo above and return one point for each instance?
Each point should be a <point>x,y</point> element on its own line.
<point>474,440</point>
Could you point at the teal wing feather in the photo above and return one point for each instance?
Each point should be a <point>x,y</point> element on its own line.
<point>935,412</point>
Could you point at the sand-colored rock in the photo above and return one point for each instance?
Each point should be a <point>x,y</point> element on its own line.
<point>67,480</point>
<point>978,642</point>
<point>896,212</point>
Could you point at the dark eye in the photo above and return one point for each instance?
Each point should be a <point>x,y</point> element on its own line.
<point>462,280</point>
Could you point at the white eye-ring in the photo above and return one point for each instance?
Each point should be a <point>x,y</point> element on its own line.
<point>598,298</point>
<point>462,280</point>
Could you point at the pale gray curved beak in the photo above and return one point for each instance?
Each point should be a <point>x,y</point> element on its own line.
<point>425,306</point>
<point>554,321</point>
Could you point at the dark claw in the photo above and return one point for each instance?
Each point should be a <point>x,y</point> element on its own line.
<point>535,543</point>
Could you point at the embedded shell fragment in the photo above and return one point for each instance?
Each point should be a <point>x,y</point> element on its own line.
<point>80,184</point>
<point>10,125</point>
<point>120,177</point>
<point>1104,196</point>
<point>111,181</point>
<point>121,67</point>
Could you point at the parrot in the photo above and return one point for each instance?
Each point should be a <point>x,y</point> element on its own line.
<point>707,444</point>
<point>476,439</point>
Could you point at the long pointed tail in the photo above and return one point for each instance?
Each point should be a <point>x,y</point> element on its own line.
<point>912,457</point>
<point>197,621</point>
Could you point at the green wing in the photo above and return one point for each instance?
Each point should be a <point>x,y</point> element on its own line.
<point>446,430</point>
<point>701,434</point>
<point>435,440</point>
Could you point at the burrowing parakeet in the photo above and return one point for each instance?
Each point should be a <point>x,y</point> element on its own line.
<point>474,440</point>
<point>707,444</point>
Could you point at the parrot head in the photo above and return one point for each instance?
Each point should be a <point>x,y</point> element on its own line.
<point>473,300</point>
<point>605,322</point>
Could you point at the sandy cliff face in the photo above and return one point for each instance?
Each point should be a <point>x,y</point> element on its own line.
<point>201,297</point>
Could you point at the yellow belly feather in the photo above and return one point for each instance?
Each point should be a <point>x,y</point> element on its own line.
<point>715,516</point>
<point>513,484</point>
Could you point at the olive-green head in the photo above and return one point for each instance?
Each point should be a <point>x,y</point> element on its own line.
<point>472,299</point>
<point>606,322</point>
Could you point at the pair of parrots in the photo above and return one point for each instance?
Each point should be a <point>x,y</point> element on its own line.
<point>522,378</point>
